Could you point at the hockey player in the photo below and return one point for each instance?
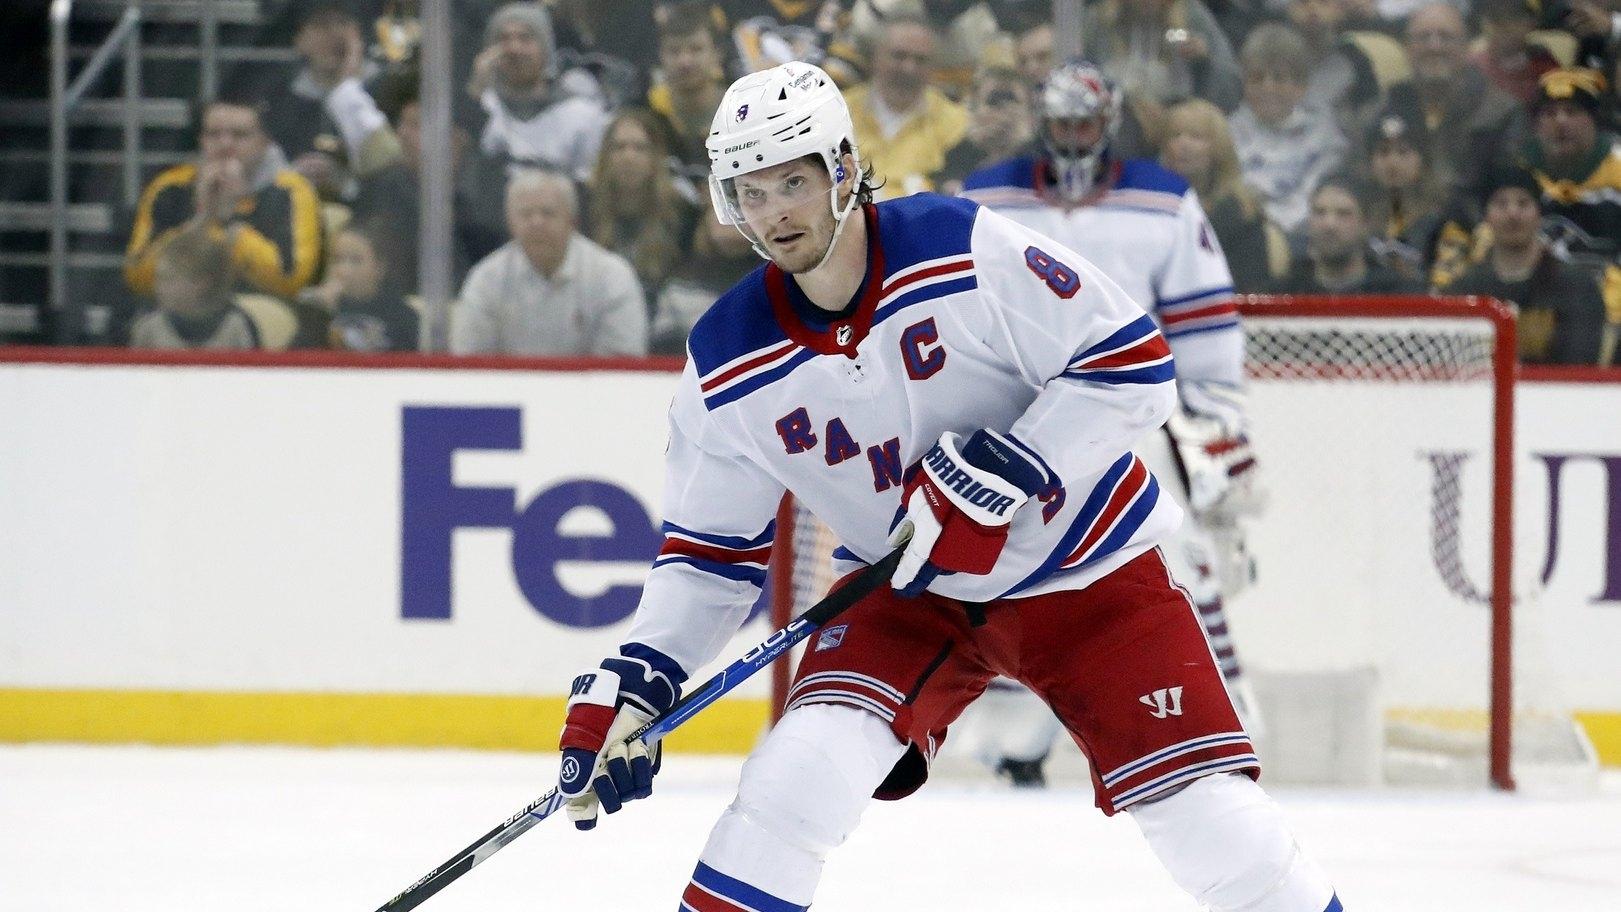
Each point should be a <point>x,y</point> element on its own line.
<point>1142,226</point>
<point>923,372</point>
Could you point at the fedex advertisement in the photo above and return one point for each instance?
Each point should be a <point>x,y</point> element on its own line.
<point>399,531</point>
<point>277,534</point>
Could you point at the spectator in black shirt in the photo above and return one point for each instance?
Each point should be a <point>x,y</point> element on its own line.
<point>1338,259</point>
<point>1561,319</point>
<point>1409,202</point>
<point>394,192</point>
<point>325,118</point>
<point>692,79</point>
<point>371,313</point>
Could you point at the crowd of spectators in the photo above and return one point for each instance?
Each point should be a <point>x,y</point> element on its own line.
<point>1449,146</point>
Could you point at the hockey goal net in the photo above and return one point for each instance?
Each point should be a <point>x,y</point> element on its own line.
<point>1379,631</point>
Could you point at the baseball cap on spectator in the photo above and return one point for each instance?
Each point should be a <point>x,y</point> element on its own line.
<point>1584,87</point>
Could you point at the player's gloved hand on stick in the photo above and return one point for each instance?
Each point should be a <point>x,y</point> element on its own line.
<point>958,507</point>
<point>605,705</point>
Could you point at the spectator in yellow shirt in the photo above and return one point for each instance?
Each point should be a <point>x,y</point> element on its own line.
<point>240,191</point>
<point>905,126</point>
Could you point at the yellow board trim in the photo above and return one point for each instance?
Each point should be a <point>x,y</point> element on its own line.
<point>730,726</point>
<point>1604,730</point>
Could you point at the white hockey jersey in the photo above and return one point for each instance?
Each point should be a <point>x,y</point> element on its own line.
<point>964,320</point>
<point>1149,234</point>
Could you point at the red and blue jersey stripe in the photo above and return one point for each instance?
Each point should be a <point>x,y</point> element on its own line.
<point>1116,508</point>
<point>730,556</point>
<point>1136,353</point>
<point>1198,312</point>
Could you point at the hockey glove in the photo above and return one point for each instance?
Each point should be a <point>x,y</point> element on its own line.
<point>1219,464</point>
<point>958,507</point>
<point>605,705</point>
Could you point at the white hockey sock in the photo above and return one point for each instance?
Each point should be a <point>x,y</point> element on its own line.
<point>1226,843</point>
<point>801,794</point>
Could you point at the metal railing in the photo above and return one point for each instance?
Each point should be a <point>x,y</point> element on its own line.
<point>437,195</point>
<point>124,39</point>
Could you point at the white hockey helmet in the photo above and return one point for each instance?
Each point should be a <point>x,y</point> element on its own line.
<point>775,116</point>
<point>1076,91</point>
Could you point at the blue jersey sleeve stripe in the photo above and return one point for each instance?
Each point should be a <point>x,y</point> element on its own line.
<point>740,573</point>
<point>1156,373</point>
<point>1195,296</point>
<point>738,390</point>
<point>926,293</point>
<point>1196,330</point>
<point>736,542</point>
<point>655,660</point>
<point>1030,451</point>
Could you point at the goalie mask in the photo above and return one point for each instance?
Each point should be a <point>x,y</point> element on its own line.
<point>771,118</point>
<point>1080,113</point>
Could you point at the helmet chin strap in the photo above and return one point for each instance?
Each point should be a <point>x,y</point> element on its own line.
<point>840,219</point>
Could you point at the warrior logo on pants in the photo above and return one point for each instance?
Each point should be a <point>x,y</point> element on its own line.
<point>1167,701</point>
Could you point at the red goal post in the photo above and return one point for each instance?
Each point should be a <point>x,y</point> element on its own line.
<point>1427,363</point>
<point>1495,367</point>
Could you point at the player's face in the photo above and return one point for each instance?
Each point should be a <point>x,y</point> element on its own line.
<point>786,210</point>
<point>1078,135</point>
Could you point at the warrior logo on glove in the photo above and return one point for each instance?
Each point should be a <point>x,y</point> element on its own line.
<point>601,770</point>
<point>957,509</point>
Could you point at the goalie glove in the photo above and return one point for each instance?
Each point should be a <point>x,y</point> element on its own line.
<point>605,705</point>
<point>958,506</point>
<point>1220,466</point>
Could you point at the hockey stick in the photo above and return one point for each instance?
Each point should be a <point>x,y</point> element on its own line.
<point>861,585</point>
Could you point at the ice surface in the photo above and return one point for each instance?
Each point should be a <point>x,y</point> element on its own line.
<point>138,829</point>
